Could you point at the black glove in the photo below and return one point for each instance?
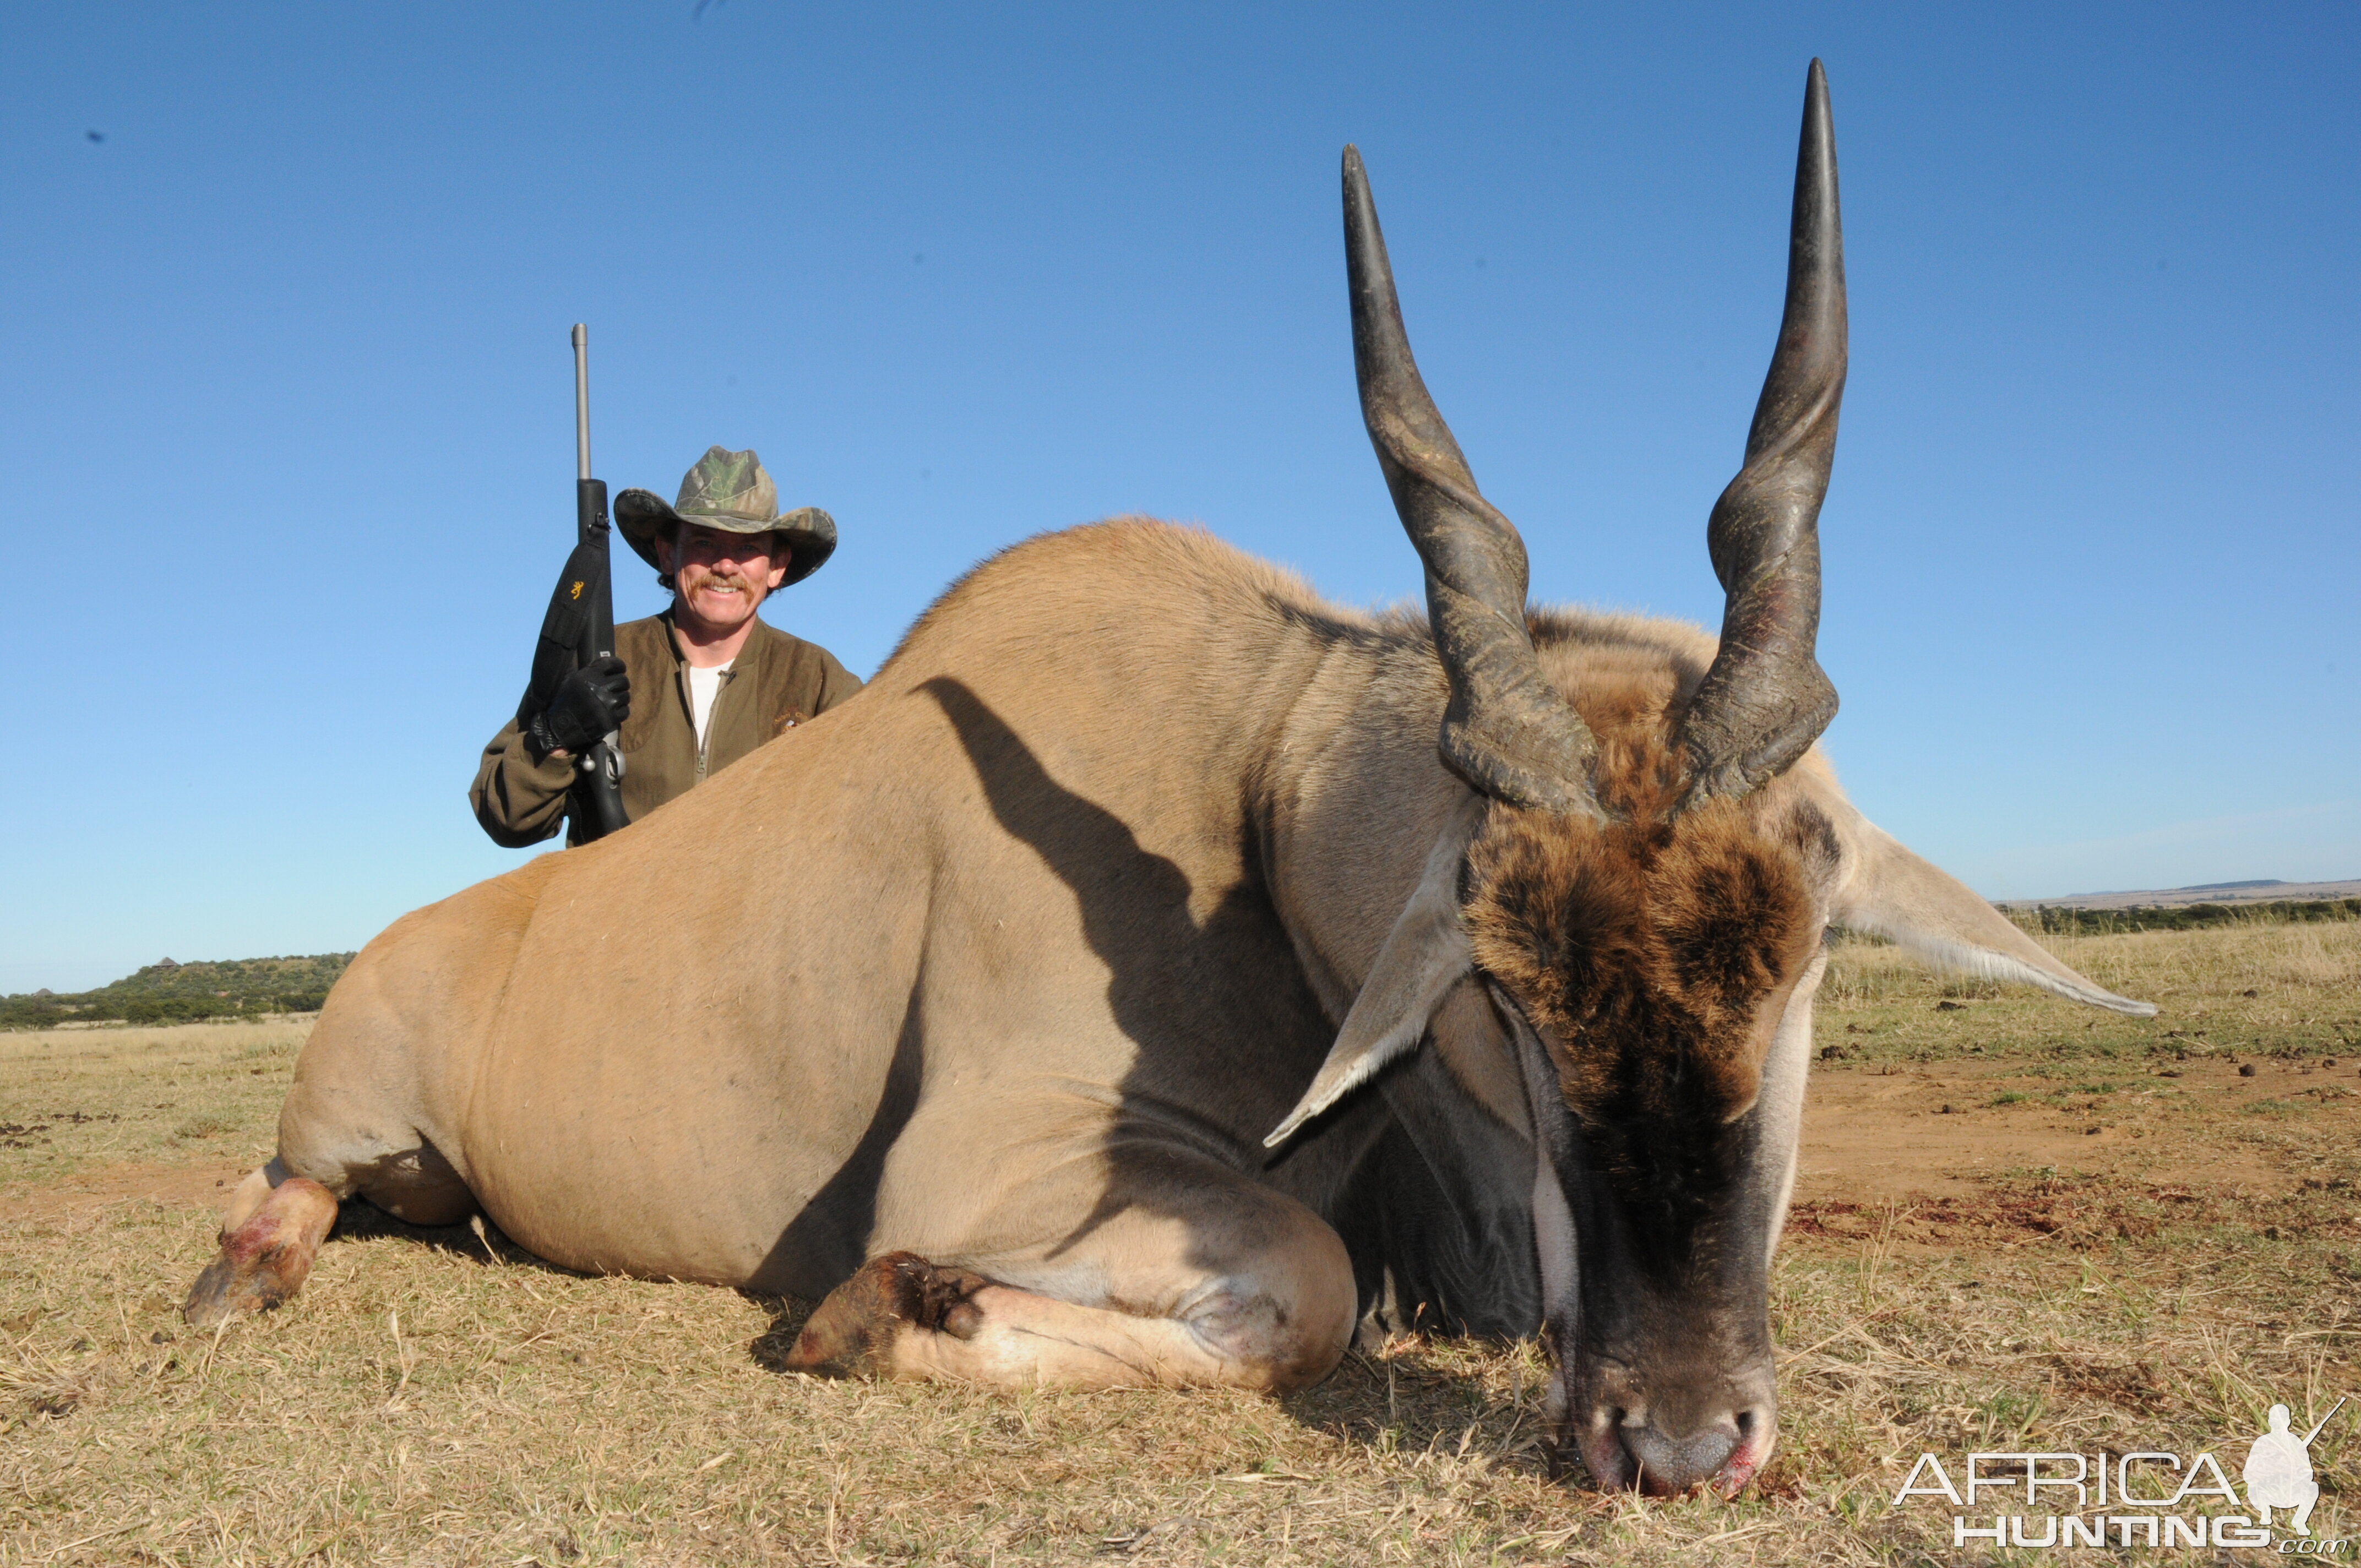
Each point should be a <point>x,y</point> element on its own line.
<point>591,705</point>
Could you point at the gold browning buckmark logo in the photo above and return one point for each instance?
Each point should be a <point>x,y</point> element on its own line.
<point>576,591</point>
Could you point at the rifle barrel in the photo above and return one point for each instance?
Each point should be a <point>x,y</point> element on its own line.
<point>598,800</point>
<point>2325,1420</point>
<point>581,402</point>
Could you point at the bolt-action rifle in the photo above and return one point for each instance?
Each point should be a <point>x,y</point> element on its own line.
<point>580,625</point>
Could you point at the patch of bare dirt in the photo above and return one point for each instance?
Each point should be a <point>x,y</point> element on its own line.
<point>204,1185</point>
<point>1873,1135</point>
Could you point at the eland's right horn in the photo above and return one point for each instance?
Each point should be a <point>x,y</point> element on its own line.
<point>1765,700</point>
<point>1507,731</point>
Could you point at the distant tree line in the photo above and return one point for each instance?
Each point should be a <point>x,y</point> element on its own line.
<point>169,992</point>
<point>2055,922</point>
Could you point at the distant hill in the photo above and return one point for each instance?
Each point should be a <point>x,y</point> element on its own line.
<point>169,992</point>
<point>2100,919</point>
<point>2227,892</point>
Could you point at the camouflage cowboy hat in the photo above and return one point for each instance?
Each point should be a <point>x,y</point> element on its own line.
<point>729,491</point>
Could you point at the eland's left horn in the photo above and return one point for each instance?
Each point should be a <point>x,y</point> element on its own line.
<point>1765,700</point>
<point>1507,731</point>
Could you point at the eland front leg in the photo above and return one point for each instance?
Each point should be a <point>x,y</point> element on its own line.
<point>1220,1282</point>
<point>333,1144</point>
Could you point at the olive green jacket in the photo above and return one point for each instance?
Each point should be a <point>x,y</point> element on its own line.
<point>775,683</point>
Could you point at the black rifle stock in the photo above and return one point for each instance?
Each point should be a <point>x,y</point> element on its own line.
<point>580,625</point>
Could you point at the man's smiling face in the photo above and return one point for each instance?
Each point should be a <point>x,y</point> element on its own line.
<point>720,578</point>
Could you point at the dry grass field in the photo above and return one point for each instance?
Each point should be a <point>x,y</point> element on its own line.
<point>2020,1225</point>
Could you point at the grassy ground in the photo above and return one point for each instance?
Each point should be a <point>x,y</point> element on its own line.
<point>76,1100</point>
<point>439,1397</point>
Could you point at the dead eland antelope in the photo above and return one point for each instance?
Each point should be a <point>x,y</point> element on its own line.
<point>971,1006</point>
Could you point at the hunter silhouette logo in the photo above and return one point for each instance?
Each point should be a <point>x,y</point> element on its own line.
<point>2279,1470</point>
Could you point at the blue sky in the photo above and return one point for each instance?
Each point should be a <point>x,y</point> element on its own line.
<point>286,421</point>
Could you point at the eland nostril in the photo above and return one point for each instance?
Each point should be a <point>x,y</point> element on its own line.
<point>1672,1464</point>
<point>1600,1439</point>
<point>1758,1431</point>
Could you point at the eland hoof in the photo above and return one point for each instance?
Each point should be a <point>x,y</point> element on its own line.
<point>852,1332</point>
<point>264,1260</point>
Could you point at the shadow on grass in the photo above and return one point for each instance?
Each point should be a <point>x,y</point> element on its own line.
<point>1431,1396</point>
<point>477,1240</point>
<point>788,1315</point>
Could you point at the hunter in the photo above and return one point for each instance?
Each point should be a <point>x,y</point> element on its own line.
<point>694,689</point>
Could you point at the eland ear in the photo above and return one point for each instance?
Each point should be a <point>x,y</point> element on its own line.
<point>1889,892</point>
<point>1424,955</point>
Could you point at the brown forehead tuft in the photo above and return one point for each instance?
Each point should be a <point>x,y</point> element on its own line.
<point>1653,949</point>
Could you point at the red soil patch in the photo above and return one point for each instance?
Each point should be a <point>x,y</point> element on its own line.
<point>205,1185</point>
<point>1874,1135</point>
